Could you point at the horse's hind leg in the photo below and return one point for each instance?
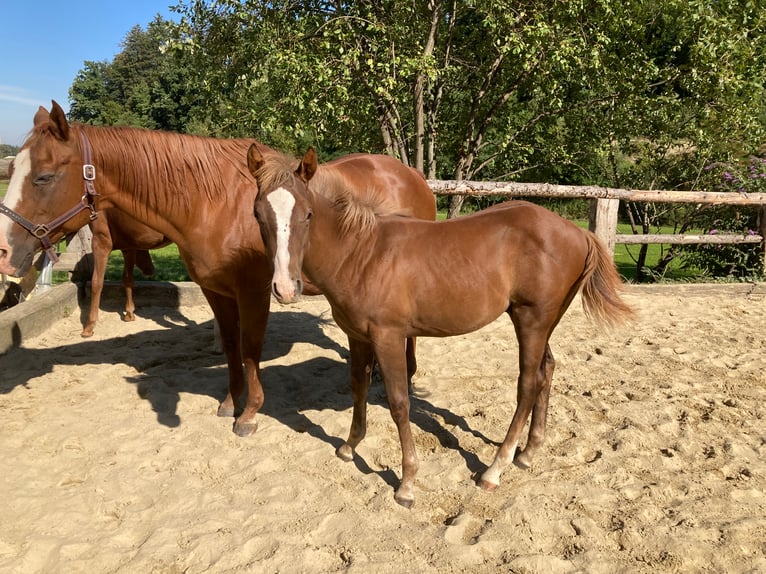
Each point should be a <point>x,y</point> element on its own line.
<point>128,282</point>
<point>539,415</point>
<point>134,258</point>
<point>361,374</point>
<point>532,330</point>
<point>412,362</point>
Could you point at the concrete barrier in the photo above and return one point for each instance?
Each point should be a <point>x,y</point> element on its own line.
<point>32,317</point>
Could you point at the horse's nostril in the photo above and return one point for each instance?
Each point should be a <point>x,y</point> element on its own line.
<point>3,253</point>
<point>299,286</point>
<point>274,290</point>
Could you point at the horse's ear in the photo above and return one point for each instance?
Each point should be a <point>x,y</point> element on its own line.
<point>10,169</point>
<point>255,159</point>
<point>59,125</point>
<point>308,166</point>
<point>41,117</point>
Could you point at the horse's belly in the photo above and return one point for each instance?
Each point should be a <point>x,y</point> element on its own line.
<point>445,318</point>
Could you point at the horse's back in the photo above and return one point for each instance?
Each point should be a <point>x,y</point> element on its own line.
<point>401,185</point>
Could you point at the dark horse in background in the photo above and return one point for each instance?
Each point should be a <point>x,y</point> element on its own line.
<point>112,230</point>
<point>197,192</point>
<point>389,277</point>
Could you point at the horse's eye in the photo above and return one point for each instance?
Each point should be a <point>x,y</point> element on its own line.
<point>44,179</point>
<point>309,215</point>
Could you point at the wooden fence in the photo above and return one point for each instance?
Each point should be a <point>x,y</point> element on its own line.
<point>605,203</point>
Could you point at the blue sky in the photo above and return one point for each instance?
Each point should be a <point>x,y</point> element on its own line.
<point>46,42</point>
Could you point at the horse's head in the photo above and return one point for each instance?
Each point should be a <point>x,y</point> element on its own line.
<point>45,199</point>
<point>283,211</point>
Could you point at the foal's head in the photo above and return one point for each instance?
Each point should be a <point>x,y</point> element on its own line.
<point>283,211</point>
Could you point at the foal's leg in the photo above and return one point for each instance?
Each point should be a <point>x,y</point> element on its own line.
<point>390,353</point>
<point>539,415</point>
<point>361,374</point>
<point>532,328</point>
<point>128,282</point>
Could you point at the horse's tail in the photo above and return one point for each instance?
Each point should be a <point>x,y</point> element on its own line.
<point>601,285</point>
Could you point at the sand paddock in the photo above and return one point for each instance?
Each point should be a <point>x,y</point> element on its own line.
<point>113,459</point>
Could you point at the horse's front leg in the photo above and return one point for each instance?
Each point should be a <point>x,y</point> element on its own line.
<point>391,355</point>
<point>101,244</point>
<point>253,316</point>
<point>227,317</point>
<point>361,360</point>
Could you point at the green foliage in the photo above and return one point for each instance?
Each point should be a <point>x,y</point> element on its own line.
<point>638,95</point>
<point>7,150</point>
<point>742,261</point>
<point>144,86</point>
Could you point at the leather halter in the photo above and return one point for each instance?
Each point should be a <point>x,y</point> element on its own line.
<point>43,231</point>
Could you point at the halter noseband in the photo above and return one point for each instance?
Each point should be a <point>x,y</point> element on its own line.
<point>43,231</point>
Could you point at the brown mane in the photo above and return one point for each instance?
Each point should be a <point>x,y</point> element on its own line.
<point>159,163</point>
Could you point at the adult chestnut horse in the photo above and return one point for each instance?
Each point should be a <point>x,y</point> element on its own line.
<point>195,191</point>
<point>389,277</point>
<point>115,230</point>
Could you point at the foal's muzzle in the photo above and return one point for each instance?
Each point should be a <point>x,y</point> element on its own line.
<point>289,292</point>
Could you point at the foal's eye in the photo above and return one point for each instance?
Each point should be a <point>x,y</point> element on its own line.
<point>44,179</point>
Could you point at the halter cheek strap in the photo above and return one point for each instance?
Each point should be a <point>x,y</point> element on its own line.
<point>43,231</point>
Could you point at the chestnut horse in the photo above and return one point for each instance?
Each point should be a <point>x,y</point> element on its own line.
<point>112,230</point>
<point>195,191</point>
<point>389,277</point>
<point>117,231</point>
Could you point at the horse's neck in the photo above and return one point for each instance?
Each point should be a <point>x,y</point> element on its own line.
<point>329,249</point>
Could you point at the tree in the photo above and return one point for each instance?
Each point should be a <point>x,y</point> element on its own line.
<point>145,85</point>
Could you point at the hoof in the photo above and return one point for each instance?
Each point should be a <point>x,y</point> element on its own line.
<point>406,502</point>
<point>225,411</point>
<point>129,317</point>
<point>488,486</point>
<point>345,452</point>
<point>245,429</point>
<point>522,461</point>
<point>86,333</point>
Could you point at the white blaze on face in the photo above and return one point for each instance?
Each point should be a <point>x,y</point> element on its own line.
<point>282,203</point>
<point>22,165</point>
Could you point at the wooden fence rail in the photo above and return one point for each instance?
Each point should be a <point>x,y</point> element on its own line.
<point>605,203</point>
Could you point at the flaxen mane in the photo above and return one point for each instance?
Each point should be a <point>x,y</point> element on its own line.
<point>356,214</point>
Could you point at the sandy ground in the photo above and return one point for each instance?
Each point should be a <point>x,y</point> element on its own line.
<point>113,459</point>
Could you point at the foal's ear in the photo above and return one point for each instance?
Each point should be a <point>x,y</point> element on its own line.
<point>308,166</point>
<point>59,125</point>
<point>255,159</point>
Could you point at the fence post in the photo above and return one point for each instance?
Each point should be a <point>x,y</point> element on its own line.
<point>762,231</point>
<point>603,220</point>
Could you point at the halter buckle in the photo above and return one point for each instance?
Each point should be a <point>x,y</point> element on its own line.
<point>89,172</point>
<point>40,231</point>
